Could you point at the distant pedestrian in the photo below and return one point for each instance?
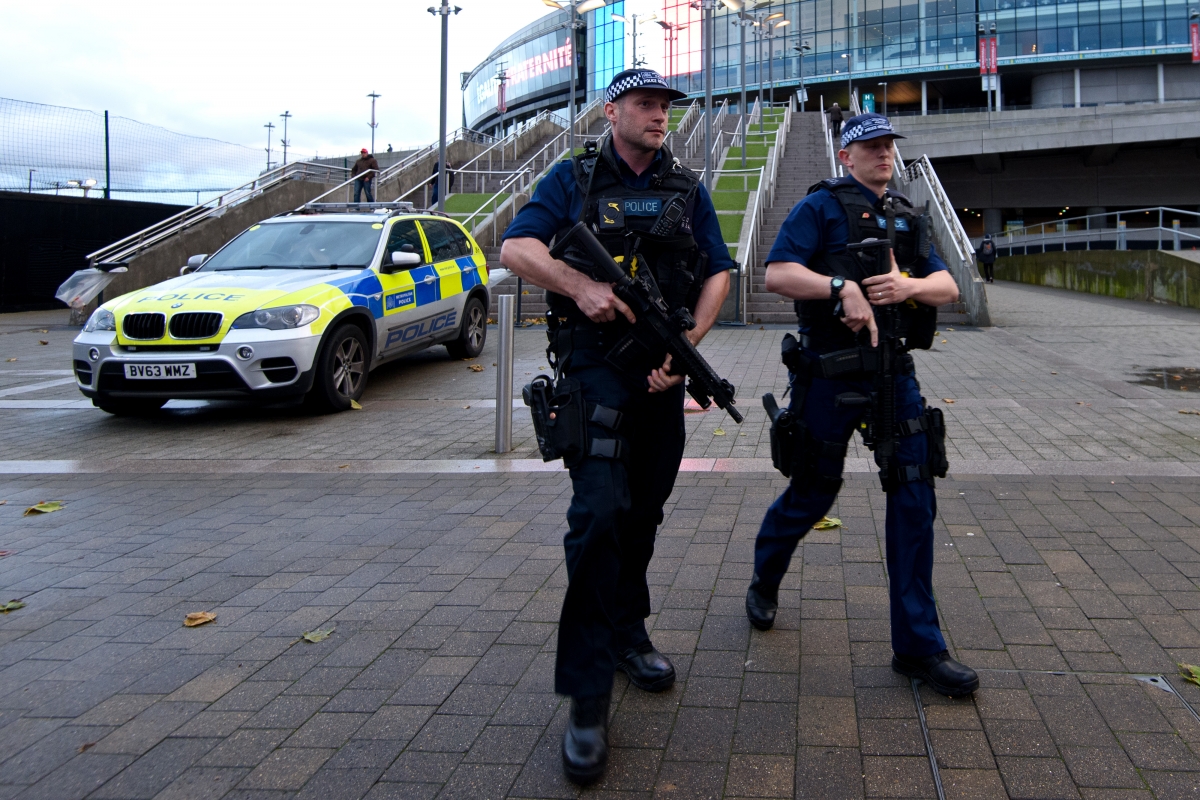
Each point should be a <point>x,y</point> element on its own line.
<point>389,147</point>
<point>449,180</point>
<point>835,119</point>
<point>987,256</point>
<point>368,168</point>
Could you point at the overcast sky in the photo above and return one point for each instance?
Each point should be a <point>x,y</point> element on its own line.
<point>223,69</point>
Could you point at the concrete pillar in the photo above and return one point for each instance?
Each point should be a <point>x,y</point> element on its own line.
<point>1162,86</point>
<point>993,220</point>
<point>1078,92</point>
<point>924,98</point>
<point>939,104</point>
<point>999,95</point>
<point>1101,223</point>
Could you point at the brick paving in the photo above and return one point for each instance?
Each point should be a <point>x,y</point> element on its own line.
<point>444,590</point>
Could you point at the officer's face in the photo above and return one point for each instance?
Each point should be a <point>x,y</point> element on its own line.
<point>639,118</point>
<point>872,161</point>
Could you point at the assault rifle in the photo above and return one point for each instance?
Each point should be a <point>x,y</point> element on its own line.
<point>874,255</point>
<point>668,329</point>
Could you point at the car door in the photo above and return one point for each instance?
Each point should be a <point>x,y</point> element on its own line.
<point>414,315</point>
<point>453,258</point>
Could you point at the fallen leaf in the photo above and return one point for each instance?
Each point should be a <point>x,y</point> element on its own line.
<point>466,406</point>
<point>950,329</point>
<point>827,523</point>
<point>44,507</point>
<point>1053,373</point>
<point>319,635</point>
<point>493,363</point>
<point>11,605</point>
<point>1189,411</point>
<point>719,432</point>
<point>937,333</point>
<point>357,406</point>
<point>541,367</point>
<point>479,368</point>
<point>198,618</point>
<point>947,401</point>
<point>943,341</point>
<point>3,502</point>
<point>41,330</point>
<point>5,553</point>
<point>10,360</point>
<point>83,748</point>
<point>42,341</point>
<point>1190,673</point>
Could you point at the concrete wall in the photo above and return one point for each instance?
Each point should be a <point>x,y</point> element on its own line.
<point>1123,85</point>
<point>1137,275</point>
<point>1144,176</point>
<point>162,261</point>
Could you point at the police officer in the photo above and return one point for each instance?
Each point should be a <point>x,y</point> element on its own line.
<point>625,187</point>
<point>809,262</point>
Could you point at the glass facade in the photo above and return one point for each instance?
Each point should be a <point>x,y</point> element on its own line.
<point>537,62</point>
<point>878,37</point>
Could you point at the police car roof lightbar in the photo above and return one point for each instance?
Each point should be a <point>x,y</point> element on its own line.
<point>402,206</point>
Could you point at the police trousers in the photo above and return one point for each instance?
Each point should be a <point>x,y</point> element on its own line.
<point>911,509</point>
<point>614,514</point>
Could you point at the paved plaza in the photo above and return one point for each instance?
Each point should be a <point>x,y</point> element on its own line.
<point>1068,556</point>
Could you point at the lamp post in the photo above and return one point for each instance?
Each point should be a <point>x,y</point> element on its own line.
<point>576,7</point>
<point>270,126</point>
<point>286,116</point>
<point>849,80</point>
<point>373,123</point>
<point>501,99</point>
<point>769,35</point>
<point>31,180</point>
<point>632,20</point>
<point>671,30</point>
<point>444,11</point>
<point>742,21</point>
<point>802,49</point>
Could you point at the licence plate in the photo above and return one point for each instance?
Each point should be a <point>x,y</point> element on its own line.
<point>158,372</point>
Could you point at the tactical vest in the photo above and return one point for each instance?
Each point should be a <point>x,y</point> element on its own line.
<point>656,221</point>
<point>866,220</point>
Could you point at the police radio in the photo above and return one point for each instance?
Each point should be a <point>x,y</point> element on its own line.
<point>668,218</point>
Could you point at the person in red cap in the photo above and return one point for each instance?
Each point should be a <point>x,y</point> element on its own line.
<point>366,167</point>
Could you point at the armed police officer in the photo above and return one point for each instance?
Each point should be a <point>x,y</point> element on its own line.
<point>835,368</point>
<point>650,213</point>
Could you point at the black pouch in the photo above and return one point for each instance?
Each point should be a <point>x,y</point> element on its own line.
<point>938,463</point>
<point>559,418</point>
<point>783,435</point>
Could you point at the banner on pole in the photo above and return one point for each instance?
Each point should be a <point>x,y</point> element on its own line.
<point>1196,42</point>
<point>992,51</point>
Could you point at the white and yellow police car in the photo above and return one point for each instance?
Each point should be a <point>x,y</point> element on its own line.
<point>304,304</point>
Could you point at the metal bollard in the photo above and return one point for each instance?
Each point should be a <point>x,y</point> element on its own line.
<point>504,375</point>
<point>1175,232</point>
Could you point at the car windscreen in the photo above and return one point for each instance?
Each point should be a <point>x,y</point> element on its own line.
<point>302,244</point>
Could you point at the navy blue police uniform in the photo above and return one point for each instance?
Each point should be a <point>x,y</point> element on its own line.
<point>622,482</point>
<point>816,231</point>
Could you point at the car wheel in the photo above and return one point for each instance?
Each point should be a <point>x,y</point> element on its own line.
<point>341,370</point>
<point>125,407</point>
<point>472,335</point>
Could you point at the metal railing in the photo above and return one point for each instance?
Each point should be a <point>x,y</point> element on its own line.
<point>122,251</point>
<point>835,168</point>
<point>689,118</point>
<point>696,140</point>
<point>1066,234</point>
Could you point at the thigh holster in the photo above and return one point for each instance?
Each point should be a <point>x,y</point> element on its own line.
<point>933,424</point>
<point>560,421</point>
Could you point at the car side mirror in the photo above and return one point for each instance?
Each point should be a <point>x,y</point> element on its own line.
<point>195,262</point>
<point>400,262</point>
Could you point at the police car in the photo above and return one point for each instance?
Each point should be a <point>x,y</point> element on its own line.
<point>304,304</point>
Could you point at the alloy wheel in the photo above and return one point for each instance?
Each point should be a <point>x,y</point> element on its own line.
<point>349,364</point>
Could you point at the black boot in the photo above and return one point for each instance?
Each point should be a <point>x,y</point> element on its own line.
<point>943,674</point>
<point>585,744</point>
<point>647,668</point>
<point>762,602</point>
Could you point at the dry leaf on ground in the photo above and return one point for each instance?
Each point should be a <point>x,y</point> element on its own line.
<point>44,507</point>
<point>83,748</point>
<point>719,432</point>
<point>41,330</point>
<point>475,367</point>
<point>5,553</point>
<point>10,360</point>
<point>828,523</point>
<point>198,618</point>
<point>43,341</point>
<point>319,635</point>
<point>357,406</point>
<point>947,401</point>
<point>11,605</point>
<point>1190,673</point>
<point>3,502</point>
<point>1189,411</point>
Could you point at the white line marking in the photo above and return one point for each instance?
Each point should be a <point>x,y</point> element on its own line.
<point>33,387</point>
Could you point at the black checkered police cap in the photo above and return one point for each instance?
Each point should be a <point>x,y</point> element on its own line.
<point>867,126</point>
<point>622,82</point>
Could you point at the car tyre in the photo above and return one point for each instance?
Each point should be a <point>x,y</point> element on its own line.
<point>341,370</point>
<point>126,407</point>
<point>472,334</point>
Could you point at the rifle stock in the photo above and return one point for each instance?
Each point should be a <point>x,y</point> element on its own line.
<point>647,304</point>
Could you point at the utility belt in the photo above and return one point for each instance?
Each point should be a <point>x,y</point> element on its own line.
<point>628,348</point>
<point>815,464</point>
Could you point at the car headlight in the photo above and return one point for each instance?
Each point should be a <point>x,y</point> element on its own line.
<point>101,320</point>
<point>278,319</point>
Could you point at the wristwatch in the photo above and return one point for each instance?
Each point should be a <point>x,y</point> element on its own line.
<point>835,287</point>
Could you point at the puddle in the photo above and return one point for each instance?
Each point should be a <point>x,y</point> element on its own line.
<point>1183,379</point>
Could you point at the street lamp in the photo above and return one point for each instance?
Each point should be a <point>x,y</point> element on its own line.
<point>444,11</point>
<point>576,7</point>
<point>270,126</point>
<point>709,8</point>
<point>82,183</point>
<point>632,20</point>
<point>31,180</point>
<point>849,80</point>
<point>771,51</point>
<point>742,21</point>
<point>802,49</point>
<point>286,116</point>
<point>672,30</point>
<point>501,99</point>
<point>373,123</point>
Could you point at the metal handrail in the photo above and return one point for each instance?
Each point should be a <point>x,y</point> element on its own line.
<point>1121,235</point>
<point>124,249</point>
<point>834,166</point>
<point>1089,217</point>
<point>689,117</point>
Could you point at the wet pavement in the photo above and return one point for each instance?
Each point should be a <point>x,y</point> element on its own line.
<point>1067,568</point>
